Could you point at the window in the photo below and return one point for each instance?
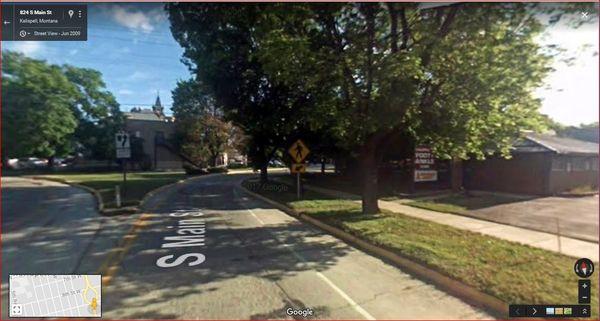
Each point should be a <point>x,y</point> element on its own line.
<point>579,164</point>
<point>559,164</point>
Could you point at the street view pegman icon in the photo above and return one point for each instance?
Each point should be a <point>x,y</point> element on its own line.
<point>584,268</point>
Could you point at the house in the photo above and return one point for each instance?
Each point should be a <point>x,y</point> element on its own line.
<point>154,129</point>
<point>541,164</point>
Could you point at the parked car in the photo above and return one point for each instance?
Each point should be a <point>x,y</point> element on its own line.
<point>13,163</point>
<point>276,163</point>
<point>31,162</point>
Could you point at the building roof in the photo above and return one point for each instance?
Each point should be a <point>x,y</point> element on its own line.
<point>533,142</point>
<point>147,117</point>
<point>143,115</point>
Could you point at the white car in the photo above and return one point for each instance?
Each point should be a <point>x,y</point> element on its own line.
<point>31,162</point>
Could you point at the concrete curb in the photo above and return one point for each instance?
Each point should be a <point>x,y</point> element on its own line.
<point>472,296</point>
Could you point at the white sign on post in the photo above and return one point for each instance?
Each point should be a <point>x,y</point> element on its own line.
<point>122,144</point>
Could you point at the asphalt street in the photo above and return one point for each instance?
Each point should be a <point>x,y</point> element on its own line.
<point>209,251</point>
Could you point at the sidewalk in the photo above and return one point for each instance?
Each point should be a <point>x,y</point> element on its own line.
<point>548,241</point>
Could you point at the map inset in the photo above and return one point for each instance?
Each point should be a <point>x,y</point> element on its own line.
<point>55,296</point>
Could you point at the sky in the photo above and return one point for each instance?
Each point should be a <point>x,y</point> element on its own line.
<point>131,44</point>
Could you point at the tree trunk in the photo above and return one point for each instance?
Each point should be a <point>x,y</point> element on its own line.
<point>457,175</point>
<point>263,173</point>
<point>323,165</point>
<point>369,166</point>
<point>50,162</point>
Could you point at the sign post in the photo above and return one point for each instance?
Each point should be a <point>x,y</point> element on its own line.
<point>298,151</point>
<point>123,150</point>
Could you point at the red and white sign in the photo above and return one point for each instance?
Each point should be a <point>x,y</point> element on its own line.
<point>424,165</point>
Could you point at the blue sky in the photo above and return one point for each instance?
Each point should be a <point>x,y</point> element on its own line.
<point>132,46</point>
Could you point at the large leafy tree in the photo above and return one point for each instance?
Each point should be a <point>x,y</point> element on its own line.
<point>457,77</point>
<point>51,110</point>
<point>204,139</point>
<point>201,133</point>
<point>191,99</point>
<point>37,119</point>
<point>97,111</point>
<point>220,50</point>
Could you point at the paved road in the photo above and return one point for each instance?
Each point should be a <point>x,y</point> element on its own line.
<point>225,255</point>
<point>52,228</point>
<point>46,226</point>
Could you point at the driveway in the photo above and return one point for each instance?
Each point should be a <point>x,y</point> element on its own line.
<point>575,217</point>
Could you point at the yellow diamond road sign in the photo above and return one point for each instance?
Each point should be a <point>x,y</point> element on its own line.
<point>298,151</point>
<point>298,168</point>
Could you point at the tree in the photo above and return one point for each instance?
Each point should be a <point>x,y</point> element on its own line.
<point>49,109</point>
<point>219,49</point>
<point>191,99</point>
<point>37,119</point>
<point>204,139</point>
<point>97,111</point>
<point>457,77</point>
<point>200,133</point>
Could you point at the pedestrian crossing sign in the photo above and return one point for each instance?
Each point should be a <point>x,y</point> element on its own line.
<point>298,151</point>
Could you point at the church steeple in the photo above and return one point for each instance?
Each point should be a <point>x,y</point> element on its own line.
<point>157,107</point>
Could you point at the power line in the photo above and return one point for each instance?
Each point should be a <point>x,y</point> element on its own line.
<point>134,40</point>
<point>113,27</point>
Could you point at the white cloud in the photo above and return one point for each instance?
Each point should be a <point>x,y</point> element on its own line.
<point>133,18</point>
<point>139,75</point>
<point>28,48</point>
<point>125,92</point>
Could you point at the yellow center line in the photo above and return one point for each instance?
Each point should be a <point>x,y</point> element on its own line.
<point>110,265</point>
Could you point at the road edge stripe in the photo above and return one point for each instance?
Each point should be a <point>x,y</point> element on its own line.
<point>468,294</point>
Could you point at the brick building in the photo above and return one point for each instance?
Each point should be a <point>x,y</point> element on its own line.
<point>155,129</point>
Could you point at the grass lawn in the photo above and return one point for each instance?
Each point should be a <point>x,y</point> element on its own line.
<point>460,203</point>
<point>514,273</point>
<point>138,184</point>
